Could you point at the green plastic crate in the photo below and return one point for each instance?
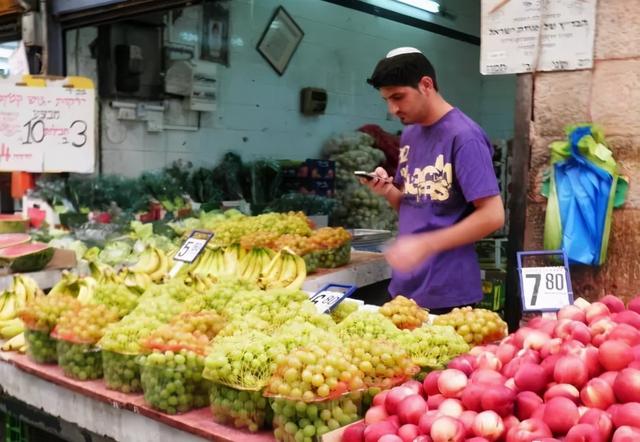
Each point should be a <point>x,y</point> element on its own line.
<point>14,429</point>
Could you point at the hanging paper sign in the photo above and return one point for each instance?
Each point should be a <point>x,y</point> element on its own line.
<point>193,246</point>
<point>49,128</point>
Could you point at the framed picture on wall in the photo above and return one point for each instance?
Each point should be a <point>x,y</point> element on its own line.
<point>215,32</point>
<point>280,40</point>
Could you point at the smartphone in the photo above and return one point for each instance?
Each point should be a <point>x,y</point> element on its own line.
<point>369,176</point>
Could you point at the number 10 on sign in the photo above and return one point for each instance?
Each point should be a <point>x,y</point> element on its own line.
<point>545,288</point>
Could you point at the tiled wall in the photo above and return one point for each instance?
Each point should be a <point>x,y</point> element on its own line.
<point>258,112</point>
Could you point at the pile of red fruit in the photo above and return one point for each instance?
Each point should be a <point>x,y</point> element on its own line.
<point>573,379</point>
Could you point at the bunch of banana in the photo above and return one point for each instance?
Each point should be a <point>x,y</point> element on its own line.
<point>80,287</point>
<point>154,262</point>
<point>22,290</point>
<point>137,281</point>
<point>210,262</point>
<point>252,265</point>
<point>232,257</point>
<point>16,343</point>
<point>286,270</point>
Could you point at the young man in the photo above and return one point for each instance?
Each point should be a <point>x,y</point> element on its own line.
<point>445,189</point>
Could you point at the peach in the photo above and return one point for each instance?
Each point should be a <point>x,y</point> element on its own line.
<point>499,399</point>
<point>626,385</point>
<point>505,352</point>
<point>489,425</point>
<point>625,333</point>
<point>447,429</point>
<point>487,377</point>
<point>634,304</point>
<point>472,395</point>
<point>609,376</point>
<point>394,397</point>
<point>560,414</point>
<point>408,432</point>
<point>626,434</point>
<point>467,417</point>
<point>572,312</point>
<point>451,407</point>
<point>465,363</point>
<point>526,403</point>
<point>430,383</point>
<point>628,317</point>
<point>427,420</point>
<point>530,377</point>
<point>614,355</point>
<point>597,393</point>
<point>600,420</point>
<point>583,433</point>
<point>451,382</point>
<point>528,430</point>
<point>595,311</point>
<point>627,414</point>
<point>562,390</point>
<point>571,370</point>
<point>613,303</point>
<point>434,401</point>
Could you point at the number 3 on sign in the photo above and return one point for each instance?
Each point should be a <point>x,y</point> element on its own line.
<point>545,288</point>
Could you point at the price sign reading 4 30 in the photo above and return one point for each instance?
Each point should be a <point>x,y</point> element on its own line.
<point>545,288</point>
<point>193,246</point>
<point>327,298</point>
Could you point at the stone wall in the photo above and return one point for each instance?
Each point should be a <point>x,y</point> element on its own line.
<point>608,95</point>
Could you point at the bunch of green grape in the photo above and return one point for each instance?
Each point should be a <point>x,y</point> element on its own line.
<point>172,382</point>
<point>300,333</point>
<point>477,326</point>
<point>79,361</point>
<point>316,372</point>
<point>220,295</point>
<point>176,289</point>
<point>117,296</point>
<point>299,421</point>
<point>344,309</point>
<point>232,231</point>
<point>240,408</point>
<point>245,324</point>
<point>162,307</point>
<point>41,347</point>
<point>432,346</point>
<point>42,312</point>
<point>405,313</point>
<point>121,372</point>
<point>275,306</point>
<point>124,336</point>
<point>244,361</point>
<point>383,363</point>
<point>86,324</point>
<point>366,324</point>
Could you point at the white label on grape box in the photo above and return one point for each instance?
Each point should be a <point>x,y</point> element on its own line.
<point>193,246</point>
<point>330,296</point>
<point>544,288</point>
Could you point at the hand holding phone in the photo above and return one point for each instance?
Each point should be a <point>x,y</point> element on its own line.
<point>370,176</point>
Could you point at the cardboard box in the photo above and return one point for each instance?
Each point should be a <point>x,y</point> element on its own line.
<point>494,283</point>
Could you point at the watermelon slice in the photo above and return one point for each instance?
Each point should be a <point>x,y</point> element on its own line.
<point>27,257</point>
<point>13,239</point>
<point>13,223</point>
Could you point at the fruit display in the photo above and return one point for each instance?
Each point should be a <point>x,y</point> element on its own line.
<point>404,313</point>
<point>22,290</point>
<point>116,296</point>
<point>275,306</point>
<point>573,377</point>
<point>28,257</point>
<point>172,382</point>
<point>476,325</point>
<point>239,408</point>
<point>299,421</point>
<point>79,361</point>
<point>188,330</point>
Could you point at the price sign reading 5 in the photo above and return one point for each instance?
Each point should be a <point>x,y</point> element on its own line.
<point>545,288</point>
<point>330,296</point>
<point>193,246</point>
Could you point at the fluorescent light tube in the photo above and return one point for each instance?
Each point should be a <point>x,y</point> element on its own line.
<point>426,5</point>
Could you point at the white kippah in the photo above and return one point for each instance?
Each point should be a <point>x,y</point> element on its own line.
<point>404,50</point>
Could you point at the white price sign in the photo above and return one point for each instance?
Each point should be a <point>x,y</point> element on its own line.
<point>330,296</point>
<point>193,246</point>
<point>544,288</point>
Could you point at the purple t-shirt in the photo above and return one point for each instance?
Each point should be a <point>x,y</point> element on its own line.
<point>443,168</point>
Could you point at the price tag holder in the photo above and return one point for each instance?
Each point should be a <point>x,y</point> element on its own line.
<point>545,289</point>
<point>328,297</point>
<point>193,246</point>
